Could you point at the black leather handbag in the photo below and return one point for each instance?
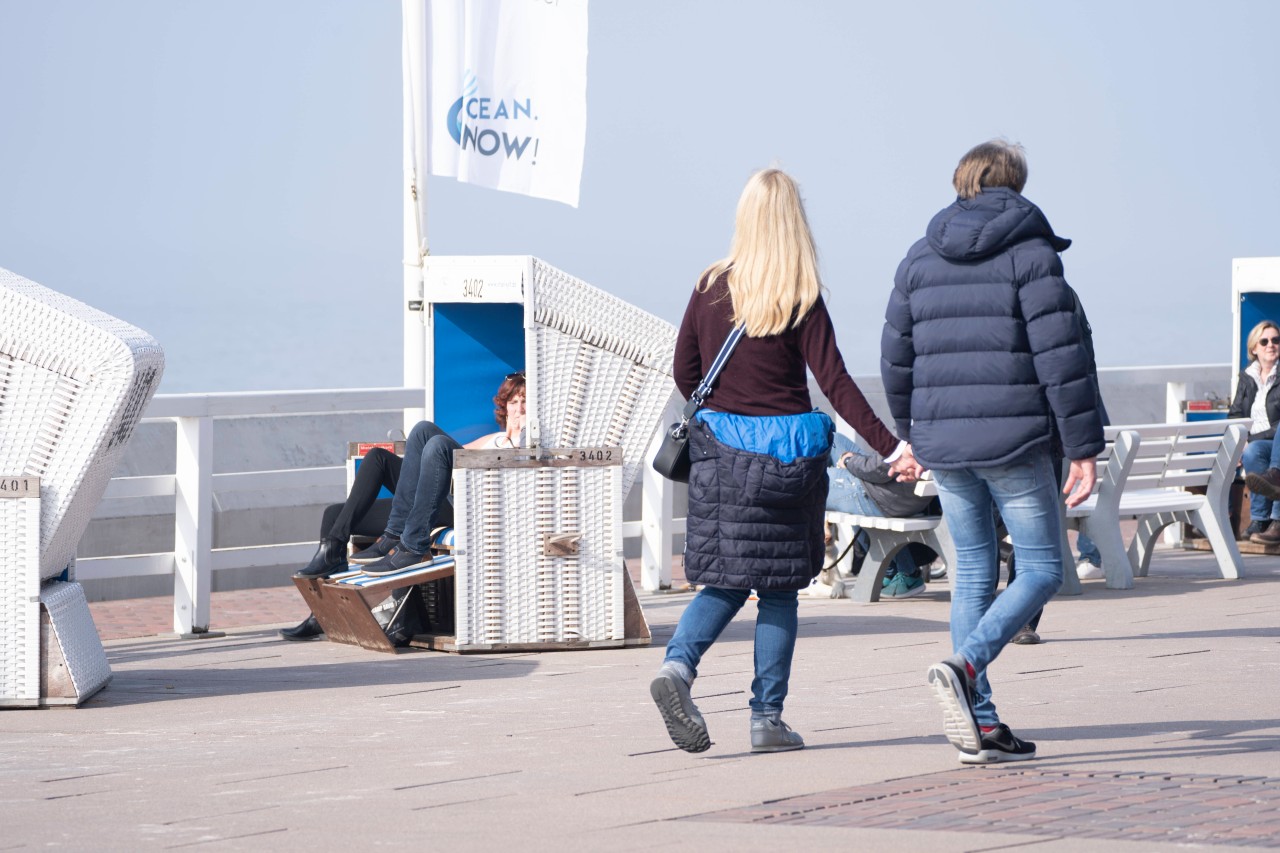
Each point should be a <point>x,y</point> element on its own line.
<point>672,458</point>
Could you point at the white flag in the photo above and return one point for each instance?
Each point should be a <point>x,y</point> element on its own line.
<point>498,91</point>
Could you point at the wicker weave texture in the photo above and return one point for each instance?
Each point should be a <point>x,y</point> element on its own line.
<point>20,599</point>
<point>508,589</point>
<point>603,368</point>
<point>76,634</point>
<point>73,384</point>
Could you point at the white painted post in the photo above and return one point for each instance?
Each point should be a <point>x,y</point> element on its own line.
<point>1174,396</point>
<point>193,527</point>
<point>418,370</point>
<point>657,508</point>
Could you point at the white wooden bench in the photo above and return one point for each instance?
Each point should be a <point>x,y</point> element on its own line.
<point>888,536</point>
<point>1148,471</point>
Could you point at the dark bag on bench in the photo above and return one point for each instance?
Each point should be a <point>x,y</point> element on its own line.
<point>409,618</point>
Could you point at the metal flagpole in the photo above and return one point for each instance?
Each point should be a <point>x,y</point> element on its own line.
<point>418,353</point>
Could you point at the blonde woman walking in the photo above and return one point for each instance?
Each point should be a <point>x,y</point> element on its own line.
<point>758,483</point>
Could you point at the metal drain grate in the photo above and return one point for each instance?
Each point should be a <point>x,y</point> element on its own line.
<point>1140,806</point>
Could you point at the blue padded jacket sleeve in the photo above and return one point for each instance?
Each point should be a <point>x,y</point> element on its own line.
<point>1058,349</point>
<point>897,353</point>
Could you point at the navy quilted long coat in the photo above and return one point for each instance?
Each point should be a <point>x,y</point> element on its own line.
<point>981,350</point>
<point>753,522</point>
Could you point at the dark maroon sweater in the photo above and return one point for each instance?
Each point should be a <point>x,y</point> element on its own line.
<point>766,376</point>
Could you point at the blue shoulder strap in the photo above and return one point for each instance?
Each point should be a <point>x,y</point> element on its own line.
<point>703,391</point>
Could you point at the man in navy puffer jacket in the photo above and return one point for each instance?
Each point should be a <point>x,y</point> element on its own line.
<point>981,355</point>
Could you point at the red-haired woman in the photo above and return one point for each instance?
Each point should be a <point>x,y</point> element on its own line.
<point>420,483</point>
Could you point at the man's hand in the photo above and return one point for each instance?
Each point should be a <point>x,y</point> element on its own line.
<point>905,468</point>
<point>1080,481</point>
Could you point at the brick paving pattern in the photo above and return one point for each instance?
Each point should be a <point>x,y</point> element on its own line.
<point>1161,807</point>
<point>241,608</point>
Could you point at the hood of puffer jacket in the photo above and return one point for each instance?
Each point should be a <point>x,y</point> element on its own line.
<point>987,224</point>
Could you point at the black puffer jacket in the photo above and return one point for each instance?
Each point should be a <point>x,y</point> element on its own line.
<point>754,522</point>
<point>1242,405</point>
<point>981,349</point>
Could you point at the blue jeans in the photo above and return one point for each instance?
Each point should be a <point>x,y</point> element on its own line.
<point>776,625</point>
<point>848,494</point>
<point>422,494</point>
<point>1258,457</point>
<point>1026,494</point>
<point>1088,551</point>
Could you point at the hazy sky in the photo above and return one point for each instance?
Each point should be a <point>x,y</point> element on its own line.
<point>227,175</point>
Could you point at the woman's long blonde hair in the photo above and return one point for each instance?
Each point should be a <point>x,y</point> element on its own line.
<point>772,265</point>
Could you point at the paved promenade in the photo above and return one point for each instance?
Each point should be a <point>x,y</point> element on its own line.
<point>1156,711</point>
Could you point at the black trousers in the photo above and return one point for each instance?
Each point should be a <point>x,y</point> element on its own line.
<point>363,512</point>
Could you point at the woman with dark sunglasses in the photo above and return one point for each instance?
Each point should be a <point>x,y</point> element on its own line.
<point>1262,454</point>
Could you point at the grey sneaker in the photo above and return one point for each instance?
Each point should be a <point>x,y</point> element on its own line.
<point>684,723</point>
<point>954,689</point>
<point>773,736</point>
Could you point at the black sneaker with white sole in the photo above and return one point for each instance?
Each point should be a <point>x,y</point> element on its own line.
<point>954,689</point>
<point>1000,744</point>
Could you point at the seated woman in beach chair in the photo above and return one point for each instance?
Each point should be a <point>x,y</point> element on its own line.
<point>403,523</point>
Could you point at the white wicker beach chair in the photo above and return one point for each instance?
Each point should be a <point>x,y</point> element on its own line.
<point>602,372</point>
<point>599,381</point>
<point>73,384</point>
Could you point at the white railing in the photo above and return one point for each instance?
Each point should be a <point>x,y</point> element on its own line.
<point>194,560</point>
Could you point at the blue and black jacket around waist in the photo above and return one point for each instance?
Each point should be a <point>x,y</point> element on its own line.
<point>757,491</point>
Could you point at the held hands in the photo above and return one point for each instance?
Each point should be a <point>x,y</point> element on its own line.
<point>905,468</point>
<point>1080,481</point>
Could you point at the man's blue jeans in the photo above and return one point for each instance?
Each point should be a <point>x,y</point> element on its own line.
<point>1026,494</point>
<point>776,625</point>
<point>1258,457</point>
<point>848,494</point>
<point>422,494</point>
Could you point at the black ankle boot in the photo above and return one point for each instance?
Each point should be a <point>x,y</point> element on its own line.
<point>306,630</point>
<point>330,557</point>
